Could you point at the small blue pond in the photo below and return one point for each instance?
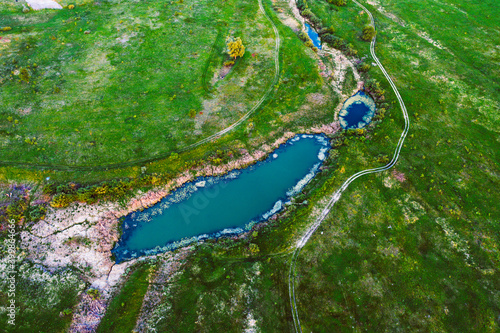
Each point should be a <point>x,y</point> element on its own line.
<point>210,207</point>
<point>313,35</point>
<point>357,111</point>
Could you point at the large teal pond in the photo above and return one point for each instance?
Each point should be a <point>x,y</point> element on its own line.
<point>211,207</point>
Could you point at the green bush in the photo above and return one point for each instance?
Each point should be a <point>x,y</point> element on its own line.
<point>363,67</point>
<point>307,13</point>
<point>333,41</point>
<point>326,30</point>
<point>373,86</point>
<point>303,36</point>
<point>368,33</point>
<point>61,200</point>
<point>49,189</point>
<point>301,5</point>
<point>337,2</point>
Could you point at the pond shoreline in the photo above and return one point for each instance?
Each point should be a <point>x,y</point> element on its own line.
<point>46,243</point>
<point>233,226</point>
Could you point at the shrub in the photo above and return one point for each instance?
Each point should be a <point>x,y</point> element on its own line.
<point>307,13</point>
<point>192,113</point>
<point>368,33</point>
<point>350,50</point>
<point>67,312</point>
<point>24,75</point>
<point>254,248</point>
<point>235,47</point>
<point>31,141</point>
<point>373,86</point>
<point>316,22</point>
<point>84,194</point>
<point>6,29</point>
<point>363,67</point>
<point>71,6</point>
<point>94,293</point>
<point>303,36</point>
<point>327,30</point>
<point>301,5</point>
<point>49,189</point>
<point>333,41</point>
<point>101,191</point>
<point>63,188</point>
<point>337,2</point>
<point>61,200</point>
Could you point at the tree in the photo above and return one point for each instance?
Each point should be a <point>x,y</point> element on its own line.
<point>61,200</point>
<point>368,33</point>
<point>337,2</point>
<point>235,47</point>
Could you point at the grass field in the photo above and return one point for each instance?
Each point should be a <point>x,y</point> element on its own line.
<point>116,82</point>
<point>122,312</point>
<point>409,250</point>
<point>413,249</point>
<point>44,301</point>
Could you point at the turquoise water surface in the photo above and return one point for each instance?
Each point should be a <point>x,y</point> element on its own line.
<point>210,207</point>
<point>313,35</point>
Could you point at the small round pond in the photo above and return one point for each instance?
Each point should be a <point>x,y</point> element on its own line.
<point>211,207</point>
<point>357,111</point>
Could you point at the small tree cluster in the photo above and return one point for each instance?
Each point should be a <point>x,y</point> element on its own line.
<point>235,47</point>
<point>315,21</point>
<point>65,194</point>
<point>339,44</point>
<point>373,86</point>
<point>337,2</point>
<point>363,67</point>
<point>368,33</point>
<point>21,207</point>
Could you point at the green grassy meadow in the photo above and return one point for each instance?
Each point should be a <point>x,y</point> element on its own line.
<point>122,312</point>
<point>116,82</point>
<point>412,249</point>
<point>418,255</point>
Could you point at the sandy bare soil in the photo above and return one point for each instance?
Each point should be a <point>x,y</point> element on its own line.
<point>43,4</point>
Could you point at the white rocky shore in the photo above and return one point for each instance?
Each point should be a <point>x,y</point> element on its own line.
<point>43,4</point>
<point>82,235</point>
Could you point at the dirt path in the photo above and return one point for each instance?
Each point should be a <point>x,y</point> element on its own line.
<point>337,194</point>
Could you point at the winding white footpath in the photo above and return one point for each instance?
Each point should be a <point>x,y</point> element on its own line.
<point>336,196</point>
